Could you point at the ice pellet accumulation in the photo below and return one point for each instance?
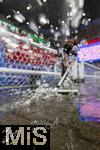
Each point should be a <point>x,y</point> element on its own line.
<point>38,96</point>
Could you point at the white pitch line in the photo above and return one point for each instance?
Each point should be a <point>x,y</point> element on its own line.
<point>67,91</point>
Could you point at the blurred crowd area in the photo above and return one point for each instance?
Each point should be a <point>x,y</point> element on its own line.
<point>86,35</point>
<point>97,64</point>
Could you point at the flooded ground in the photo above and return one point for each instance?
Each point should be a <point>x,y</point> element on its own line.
<point>71,129</point>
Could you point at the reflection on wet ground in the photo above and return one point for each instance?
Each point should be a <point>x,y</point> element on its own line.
<point>63,114</point>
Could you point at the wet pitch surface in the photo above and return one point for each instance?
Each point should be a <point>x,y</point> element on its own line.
<point>71,129</point>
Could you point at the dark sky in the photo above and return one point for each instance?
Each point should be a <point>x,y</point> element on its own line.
<point>92,8</point>
<point>55,10</point>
